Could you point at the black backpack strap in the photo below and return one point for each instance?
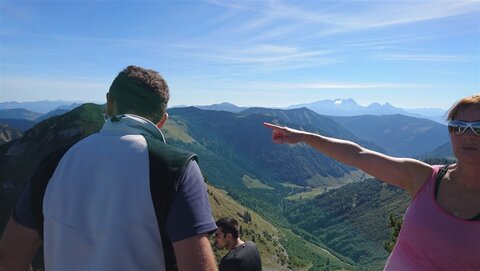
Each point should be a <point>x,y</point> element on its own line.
<point>39,182</point>
<point>167,165</point>
<point>439,178</point>
<point>475,218</point>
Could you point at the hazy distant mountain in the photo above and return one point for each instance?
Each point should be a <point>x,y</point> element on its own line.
<point>338,107</point>
<point>345,107</point>
<point>323,105</point>
<point>399,135</point>
<point>435,114</point>
<point>25,114</point>
<point>58,111</point>
<point>20,124</point>
<point>444,150</point>
<point>382,109</point>
<point>348,107</point>
<point>428,112</point>
<point>38,106</point>
<point>50,114</point>
<point>69,106</point>
<point>19,113</point>
<point>222,107</point>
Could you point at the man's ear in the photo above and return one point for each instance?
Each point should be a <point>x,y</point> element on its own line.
<point>229,236</point>
<point>162,121</point>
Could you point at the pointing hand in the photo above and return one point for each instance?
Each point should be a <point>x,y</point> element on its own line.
<point>281,135</point>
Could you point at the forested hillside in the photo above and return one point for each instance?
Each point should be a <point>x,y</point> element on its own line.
<point>352,220</point>
<point>20,157</point>
<point>398,135</point>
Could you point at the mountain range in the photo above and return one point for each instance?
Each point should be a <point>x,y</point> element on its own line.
<point>41,107</point>
<point>23,111</point>
<point>19,113</point>
<point>335,107</point>
<point>15,121</point>
<point>340,225</point>
<point>348,107</point>
<point>221,107</point>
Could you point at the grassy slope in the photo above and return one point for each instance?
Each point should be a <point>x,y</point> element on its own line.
<point>280,248</point>
<point>266,236</point>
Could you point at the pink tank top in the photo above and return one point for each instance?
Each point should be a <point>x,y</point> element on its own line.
<point>432,239</point>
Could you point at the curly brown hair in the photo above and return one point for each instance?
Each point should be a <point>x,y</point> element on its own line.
<point>465,102</point>
<point>140,91</point>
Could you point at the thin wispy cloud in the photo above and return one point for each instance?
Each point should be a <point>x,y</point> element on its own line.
<point>258,22</point>
<point>267,57</point>
<point>425,57</point>
<point>305,28</point>
<point>337,21</point>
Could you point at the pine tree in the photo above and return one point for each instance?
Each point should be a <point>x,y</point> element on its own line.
<point>396,224</point>
<point>247,218</point>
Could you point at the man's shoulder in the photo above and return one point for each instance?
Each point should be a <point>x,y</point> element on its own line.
<point>250,244</point>
<point>243,257</point>
<point>245,249</point>
<point>168,153</point>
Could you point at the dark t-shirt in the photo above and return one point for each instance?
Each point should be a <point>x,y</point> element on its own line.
<point>241,258</point>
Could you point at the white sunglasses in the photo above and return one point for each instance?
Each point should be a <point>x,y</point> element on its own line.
<point>459,127</point>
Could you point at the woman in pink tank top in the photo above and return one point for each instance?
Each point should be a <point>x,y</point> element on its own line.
<point>441,228</point>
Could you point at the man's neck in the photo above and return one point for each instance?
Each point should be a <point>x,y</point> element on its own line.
<point>237,242</point>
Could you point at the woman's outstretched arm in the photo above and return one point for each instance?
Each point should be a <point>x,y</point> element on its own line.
<point>406,173</point>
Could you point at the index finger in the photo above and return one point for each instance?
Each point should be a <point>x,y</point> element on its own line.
<point>273,126</point>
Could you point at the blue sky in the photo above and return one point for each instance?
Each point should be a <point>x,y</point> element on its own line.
<point>251,53</point>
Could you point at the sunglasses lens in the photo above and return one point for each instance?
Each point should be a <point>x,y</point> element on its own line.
<point>456,128</point>
<point>476,128</point>
<point>461,129</point>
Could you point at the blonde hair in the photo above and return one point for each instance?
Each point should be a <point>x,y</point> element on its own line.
<point>465,102</point>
